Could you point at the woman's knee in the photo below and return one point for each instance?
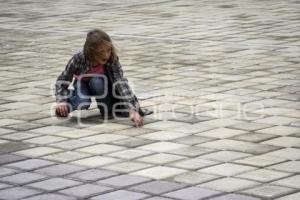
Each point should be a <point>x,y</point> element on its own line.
<point>97,85</point>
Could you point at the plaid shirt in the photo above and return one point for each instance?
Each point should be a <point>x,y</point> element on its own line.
<point>79,65</point>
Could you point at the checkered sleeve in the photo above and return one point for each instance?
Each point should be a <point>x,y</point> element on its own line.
<point>64,79</point>
<point>122,88</point>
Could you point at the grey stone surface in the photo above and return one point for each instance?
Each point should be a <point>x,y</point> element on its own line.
<point>158,198</point>
<point>59,170</point>
<point>192,193</point>
<point>221,77</point>
<point>30,164</point>
<point>9,158</point>
<point>54,184</point>
<point>8,171</point>
<point>120,194</point>
<point>50,197</point>
<point>157,187</point>
<point>123,181</point>
<point>268,191</point>
<point>234,197</point>
<point>13,147</point>
<point>23,178</point>
<point>84,191</point>
<point>17,193</point>
<point>93,174</point>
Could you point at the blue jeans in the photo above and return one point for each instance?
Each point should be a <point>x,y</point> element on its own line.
<point>80,98</point>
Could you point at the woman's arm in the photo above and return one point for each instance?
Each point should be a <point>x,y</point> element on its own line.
<point>64,79</point>
<point>121,86</point>
<point>124,92</point>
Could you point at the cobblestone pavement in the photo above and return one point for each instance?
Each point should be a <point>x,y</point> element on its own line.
<point>221,76</point>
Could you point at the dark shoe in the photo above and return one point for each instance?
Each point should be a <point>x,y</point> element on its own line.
<point>143,112</point>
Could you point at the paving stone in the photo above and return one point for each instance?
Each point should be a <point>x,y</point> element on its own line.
<point>25,126</point>
<point>72,144</point>
<point>287,153</point>
<point>192,140</point>
<point>290,166</point>
<point>158,198</point>
<point>162,146</point>
<point>191,128</point>
<point>240,146</point>
<point>133,142</point>
<point>221,133</point>
<point>229,184</point>
<point>54,184</point>
<point>221,122</point>
<point>130,154</point>
<point>18,136</point>
<point>73,134</point>
<point>159,172</point>
<point>123,181</point>
<point>164,125</point>
<point>6,122</point>
<point>86,190</point>
<point>59,170</point>
<point>3,185</point>
<point>134,132</point>
<point>190,151</point>
<point>234,197</point>
<point>17,193</point>
<point>108,127</point>
<point>13,147</point>
<point>23,178</point>
<point>161,158</point>
<point>45,140</point>
<point>66,156</point>
<point>163,135</point>
<point>284,142</point>
<point>227,169</point>
<point>268,191</point>
<point>157,187</point>
<point>93,175</point>
<point>254,137</point>
<point>192,178</point>
<point>38,151</point>
<point>192,164</point>
<point>95,161</point>
<point>5,131</point>
<point>100,149</point>
<point>293,181</point>
<point>17,105</point>
<point>127,166</point>
<point>192,193</point>
<point>7,171</point>
<point>250,126</point>
<point>263,175</point>
<point>294,196</point>
<point>104,138</point>
<point>277,120</point>
<point>51,130</point>
<point>50,197</point>
<point>117,195</point>
<point>261,161</point>
<point>30,164</point>
<point>280,130</point>
<point>9,158</point>
<point>225,156</point>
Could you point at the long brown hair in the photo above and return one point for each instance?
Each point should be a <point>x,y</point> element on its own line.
<point>94,39</point>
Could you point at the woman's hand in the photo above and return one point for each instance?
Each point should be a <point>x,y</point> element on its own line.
<point>136,118</point>
<point>61,109</point>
